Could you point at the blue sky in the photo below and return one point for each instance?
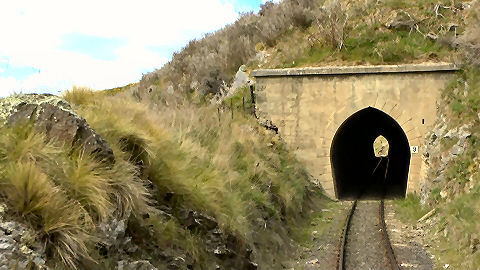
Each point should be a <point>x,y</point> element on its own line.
<point>94,46</point>
<point>51,45</point>
<point>248,5</point>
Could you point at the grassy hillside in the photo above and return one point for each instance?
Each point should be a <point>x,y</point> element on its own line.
<point>364,32</point>
<point>315,32</point>
<point>235,177</point>
<point>453,188</point>
<point>228,168</point>
<point>207,184</point>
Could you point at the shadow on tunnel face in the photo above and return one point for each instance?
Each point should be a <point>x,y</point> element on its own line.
<point>357,172</point>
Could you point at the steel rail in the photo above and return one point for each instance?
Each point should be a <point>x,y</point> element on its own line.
<point>346,227</point>
<point>386,240</point>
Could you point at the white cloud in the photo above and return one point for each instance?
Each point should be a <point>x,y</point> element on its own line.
<point>7,84</point>
<point>35,28</point>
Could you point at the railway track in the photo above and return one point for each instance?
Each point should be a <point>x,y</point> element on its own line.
<point>364,241</point>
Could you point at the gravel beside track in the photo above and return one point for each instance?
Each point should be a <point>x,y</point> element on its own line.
<point>365,248</point>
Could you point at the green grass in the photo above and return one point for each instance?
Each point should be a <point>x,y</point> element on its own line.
<point>435,195</point>
<point>241,101</point>
<point>183,158</point>
<point>319,221</point>
<point>463,94</point>
<point>460,170</point>
<point>456,230</point>
<point>368,41</point>
<point>409,209</point>
<point>372,45</point>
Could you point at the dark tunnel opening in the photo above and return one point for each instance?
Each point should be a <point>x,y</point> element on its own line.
<point>357,172</point>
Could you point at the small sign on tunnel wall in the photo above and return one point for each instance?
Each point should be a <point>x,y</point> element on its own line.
<point>414,149</point>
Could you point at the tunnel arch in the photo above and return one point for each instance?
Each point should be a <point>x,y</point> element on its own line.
<point>353,160</point>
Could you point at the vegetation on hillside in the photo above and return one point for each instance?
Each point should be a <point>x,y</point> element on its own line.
<point>373,32</point>
<point>316,32</point>
<point>204,65</point>
<point>177,157</point>
<point>456,195</point>
<point>311,33</point>
<point>334,32</point>
<point>169,162</point>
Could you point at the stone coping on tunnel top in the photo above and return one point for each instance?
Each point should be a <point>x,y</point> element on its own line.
<point>352,70</point>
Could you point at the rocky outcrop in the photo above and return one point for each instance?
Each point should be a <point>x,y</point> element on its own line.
<point>135,265</point>
<point>241,79</point>
<point>440,159</point>
<point>224,246</point>
<point>52,115</point>
<point>113,237</point>
<point>18,247</point>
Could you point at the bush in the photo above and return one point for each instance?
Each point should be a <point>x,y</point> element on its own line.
<point>470,39</point>
<point>212,61</point>
<point>332,24</point>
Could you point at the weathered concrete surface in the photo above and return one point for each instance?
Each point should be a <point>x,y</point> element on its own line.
<point>309,104</point>
<point>355,70</point>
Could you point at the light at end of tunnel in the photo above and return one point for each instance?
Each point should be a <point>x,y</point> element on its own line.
<point>380,146</point>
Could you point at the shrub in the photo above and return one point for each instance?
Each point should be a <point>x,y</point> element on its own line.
<point>332,24</point>
<point>213,60</point>
<point>470,39</point>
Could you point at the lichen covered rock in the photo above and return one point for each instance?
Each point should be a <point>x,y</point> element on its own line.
<point>18,246</point>
<point>135,265</point>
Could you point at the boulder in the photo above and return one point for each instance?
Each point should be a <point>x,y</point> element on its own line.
<point>241,79</point>
<point>457,150</point>
<point>54,116</point>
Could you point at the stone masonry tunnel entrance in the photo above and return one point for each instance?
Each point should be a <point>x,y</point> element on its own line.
<point>357,171</point>
<point>308,105</point>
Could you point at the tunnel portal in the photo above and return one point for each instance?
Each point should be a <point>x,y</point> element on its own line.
<point>357,172</point>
